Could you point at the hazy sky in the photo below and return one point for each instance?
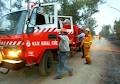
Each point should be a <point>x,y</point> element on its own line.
<point>107,15</point>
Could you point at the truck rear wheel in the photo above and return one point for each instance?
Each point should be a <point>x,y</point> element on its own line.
<point>45,67</point>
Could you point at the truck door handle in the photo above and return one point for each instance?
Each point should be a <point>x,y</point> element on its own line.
<point>52,36</point>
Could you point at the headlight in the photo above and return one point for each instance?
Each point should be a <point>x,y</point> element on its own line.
<point>14,53</point>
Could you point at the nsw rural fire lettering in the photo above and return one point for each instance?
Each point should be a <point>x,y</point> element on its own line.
<point>44,43</point>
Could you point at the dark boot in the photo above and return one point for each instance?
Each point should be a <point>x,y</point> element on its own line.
<point>83,56</point>
<point>88,60</point>
<point>70,73</point>
<point>57,77</point>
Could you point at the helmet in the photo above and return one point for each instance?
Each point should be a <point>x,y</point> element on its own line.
<point>67,21</point>
<point>40,10</point>
<point>87,29</point>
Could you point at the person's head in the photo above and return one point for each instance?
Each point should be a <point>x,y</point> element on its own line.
<point>87,31</point>
<point>82,30</point>
<point>40,10</point>
<point>67,21</point>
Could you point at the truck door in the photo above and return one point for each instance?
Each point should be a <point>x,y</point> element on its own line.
<point>67,23</point>
<point>40,35</point>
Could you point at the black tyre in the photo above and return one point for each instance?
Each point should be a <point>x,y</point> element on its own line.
<point>45,67</point>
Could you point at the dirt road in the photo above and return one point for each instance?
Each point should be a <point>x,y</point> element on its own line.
<point>105,69</point>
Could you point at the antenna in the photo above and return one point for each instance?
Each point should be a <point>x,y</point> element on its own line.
<point>39,3</point>
<point>28,4</point>
<point>10,5</point>
<point>28,9</point>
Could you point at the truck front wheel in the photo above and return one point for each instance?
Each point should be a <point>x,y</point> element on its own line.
<point>45,66</point>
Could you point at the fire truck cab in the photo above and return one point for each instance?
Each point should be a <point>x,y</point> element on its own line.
<point>30,37</point>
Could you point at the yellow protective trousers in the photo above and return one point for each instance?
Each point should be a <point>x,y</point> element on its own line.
<point>87,54</point>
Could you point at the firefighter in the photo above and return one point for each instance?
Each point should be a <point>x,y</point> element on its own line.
<point>81,38</point>
<point>86,43</point>
<point>63,55</point>
<point>99,37</point>
<point>66,24</point>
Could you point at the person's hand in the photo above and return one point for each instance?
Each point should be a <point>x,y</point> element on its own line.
<point>59,32</point>
<point>80,46</point>
<point>76,36</point>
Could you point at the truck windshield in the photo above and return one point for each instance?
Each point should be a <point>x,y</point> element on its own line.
<point>13,23</point>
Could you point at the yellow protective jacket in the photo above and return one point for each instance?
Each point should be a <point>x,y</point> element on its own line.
<point>87,40</point>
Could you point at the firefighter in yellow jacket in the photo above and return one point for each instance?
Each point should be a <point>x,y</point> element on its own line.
<point>86,44</point>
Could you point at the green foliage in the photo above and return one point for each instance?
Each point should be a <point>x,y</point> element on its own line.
<point>71,7</point>
<point>105,32</point>
<point>2,6</point>
<point>91,23</point>
<point>117,28</point>
<point>80,10</point>
<point>17,4</point>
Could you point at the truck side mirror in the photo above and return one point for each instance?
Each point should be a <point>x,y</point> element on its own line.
<point>30,30</point>
<point>28,21</point>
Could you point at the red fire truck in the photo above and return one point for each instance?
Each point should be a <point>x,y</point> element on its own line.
<point>30,37</point>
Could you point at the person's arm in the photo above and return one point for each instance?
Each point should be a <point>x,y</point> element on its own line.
<point>80,35</point>
<point>61,37</point>
<point>77,36</point>
<point>90,39</point>
<point>82,43</point>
